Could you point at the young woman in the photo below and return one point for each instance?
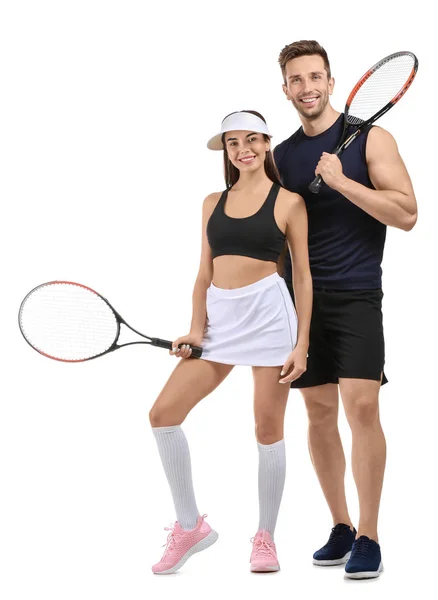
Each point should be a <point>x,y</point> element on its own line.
<point>242,315</point>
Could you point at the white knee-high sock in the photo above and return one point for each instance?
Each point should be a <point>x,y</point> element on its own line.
<point>175,456</point>
<point>272,475</point>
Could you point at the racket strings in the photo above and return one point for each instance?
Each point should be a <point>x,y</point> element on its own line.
<point>385,82</point>
<point>68,322</point>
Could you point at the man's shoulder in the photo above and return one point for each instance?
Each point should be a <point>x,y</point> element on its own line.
<point>282,148</point>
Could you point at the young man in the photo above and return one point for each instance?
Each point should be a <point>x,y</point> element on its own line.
<point>368,189</point>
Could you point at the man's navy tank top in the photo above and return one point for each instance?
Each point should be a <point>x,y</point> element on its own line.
<point>345,243</point>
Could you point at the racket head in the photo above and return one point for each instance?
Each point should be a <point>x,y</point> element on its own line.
<point>68,322</point>
<point>380,88</point>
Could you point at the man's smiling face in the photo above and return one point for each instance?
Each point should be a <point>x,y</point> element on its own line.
<point>307,85</point>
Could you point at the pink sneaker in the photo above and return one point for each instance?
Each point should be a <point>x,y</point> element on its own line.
<point>263,555</point>
<point>182,543</point>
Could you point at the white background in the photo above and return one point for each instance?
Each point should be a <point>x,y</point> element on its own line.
<point>106,108</point>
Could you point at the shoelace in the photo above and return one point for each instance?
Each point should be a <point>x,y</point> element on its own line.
<point>337,532</point>
<point>171,538</point>
<point>361,546</point>
<point>262,547</point>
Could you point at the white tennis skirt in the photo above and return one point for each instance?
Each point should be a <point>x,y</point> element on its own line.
<point>255,325</point>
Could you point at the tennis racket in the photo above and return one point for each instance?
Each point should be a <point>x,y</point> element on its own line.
<point>375,93</point>
<point>71,322</point>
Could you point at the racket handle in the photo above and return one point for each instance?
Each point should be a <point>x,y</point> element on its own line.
<point>316,184</point>
<point>196,350</point>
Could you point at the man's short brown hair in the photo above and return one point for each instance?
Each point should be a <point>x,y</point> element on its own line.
<point>303,48</point>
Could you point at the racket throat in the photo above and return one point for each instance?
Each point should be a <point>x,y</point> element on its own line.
<point>128,336</point>
<point>347,142</point>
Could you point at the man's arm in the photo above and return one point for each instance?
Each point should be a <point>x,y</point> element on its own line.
<point>393,201</point>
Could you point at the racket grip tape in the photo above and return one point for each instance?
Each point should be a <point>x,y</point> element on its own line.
<point>196,350</point>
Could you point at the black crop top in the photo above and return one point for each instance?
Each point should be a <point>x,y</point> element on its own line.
<point>256,236</point>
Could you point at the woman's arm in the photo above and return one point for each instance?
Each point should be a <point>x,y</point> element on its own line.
<point>199,297</point>
<point>205,273</point>
<point>296,234</point>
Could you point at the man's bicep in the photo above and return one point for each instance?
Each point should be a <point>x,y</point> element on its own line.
<point>278,153</point>
<point>386,168</point>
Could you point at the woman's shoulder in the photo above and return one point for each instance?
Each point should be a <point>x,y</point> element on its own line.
<point>290,198</point>
<point>210,203</point>
<point>212,199</point>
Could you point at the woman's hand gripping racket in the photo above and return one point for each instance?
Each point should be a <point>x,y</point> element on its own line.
<point>72,323</point>
<point>374,94</point>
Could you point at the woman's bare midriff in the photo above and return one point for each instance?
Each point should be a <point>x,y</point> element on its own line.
<point>230,272</point>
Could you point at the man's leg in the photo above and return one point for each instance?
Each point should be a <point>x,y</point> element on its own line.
<point>325,447</point>
<point>360,398</point>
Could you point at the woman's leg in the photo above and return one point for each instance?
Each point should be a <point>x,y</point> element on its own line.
<point>270,398</point>
<point>191,381</point>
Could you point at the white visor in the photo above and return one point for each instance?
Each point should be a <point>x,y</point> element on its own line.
<point>240,121</point>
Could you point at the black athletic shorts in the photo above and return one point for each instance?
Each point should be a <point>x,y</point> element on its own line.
<point>346,337</point>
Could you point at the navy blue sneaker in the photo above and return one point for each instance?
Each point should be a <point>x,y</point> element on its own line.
<point>338,548</point>
<point>365,561</point>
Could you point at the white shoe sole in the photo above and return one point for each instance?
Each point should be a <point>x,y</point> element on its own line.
<point>202,545</point>
<point>365,574</point>
<point>265,569</point>
<point>331,563</point>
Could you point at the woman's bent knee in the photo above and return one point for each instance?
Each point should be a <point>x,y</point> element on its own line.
<point>162,417</point>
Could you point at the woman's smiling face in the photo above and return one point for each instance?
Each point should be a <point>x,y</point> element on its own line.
<point>246,149</point>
